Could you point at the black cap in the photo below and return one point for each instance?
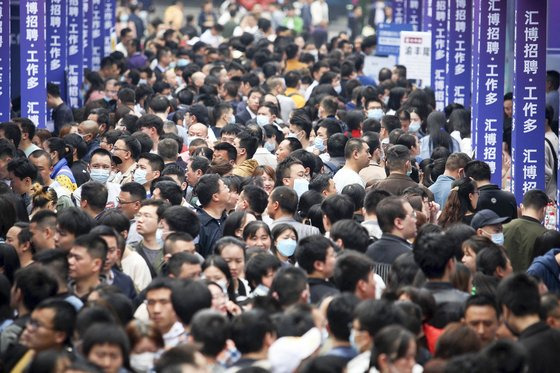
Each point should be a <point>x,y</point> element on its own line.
<point>487,217</point>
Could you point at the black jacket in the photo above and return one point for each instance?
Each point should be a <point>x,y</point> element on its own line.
<point>320,289</point>
<point>541,343</point>
<point>501,202</point>
<point>210,231</point>
<point>449,303</point>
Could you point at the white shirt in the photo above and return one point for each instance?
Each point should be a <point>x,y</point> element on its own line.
<point>135,266</point>
<point>346,176</point>
<point>213,40</point>
<point>319,12</point>
<point>112,199</point>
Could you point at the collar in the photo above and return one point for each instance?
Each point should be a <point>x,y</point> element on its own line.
<point>399,176</point>
<point>206,218</point>
<point>531,219</point>
<point>393,237</point>
<point>319,281</point>
<point>438,285</point>
<point>534,329</point>
<point>58,166</point>
<point>489,187</point>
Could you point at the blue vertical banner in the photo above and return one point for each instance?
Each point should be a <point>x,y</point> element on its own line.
<point>529,76</point>
<point>427,15</point>
<point>75,64</point>
<point>489,54</point>
<point>5,60</point>
<point>475,69</point>
<point>56,44</point>
<point>439,51</point>
<point>96,34</point>
<point>459,54</point>
<point>86,33</point>
<point>413,13</point>
<point>109,18</point>
<point>398,11</point>
<point>32,58</point>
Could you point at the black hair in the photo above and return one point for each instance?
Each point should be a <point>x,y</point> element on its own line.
<point>536,199</point>
<point>432,252</point>
<point>211,329</point>
<point>23,168</point>
<point>478,170</point>
<point>182,219</point>
<point>288,285</point>
<point>36,284</point>
<point>354,236</point>
<point>256,197</point>
<point>389,209</point>
<point>340,312</point>
<point>95,194</point>
<point>105,333</point>
<point>372,199</point>
<point>311,249</point>
<point>374,315</point>
<point>258,266</point>
<point>64,316</point>
<point>286,197</point>
<point>189,297</point>
<point>207,186</point>
<point>338,207</point>
<point>249,330</point>
<point>135,189</point>
<point>169,190</point>
<point>520,294</point>
<point>489,259</point>
<point>350,268</point>
<point>75,221</point>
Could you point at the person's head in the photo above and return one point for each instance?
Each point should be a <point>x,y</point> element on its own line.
<point>286,147</point>
<point>188,298</point>
<point>87,257</point>
<point>288,171</point>
<point>58,150</point>
<point>260,270</point>
<point>40,159</point>
<point>488,224</point>
<point>463,198</point>
<point>323,184</point>
<point>434,256</point>
<point>158,303</point>
<point>130,198</point>
<point>534,204</point>
<point>148,168</point>
<point>372,199</point>
<point>316,255</point>
<point>335,208</point>
<point>493,261</point>
<point>232,251</point>
<point>354,273</point>
<point>22,174</point>
<point>479,171</point>
<point>289,287</point>
<point>211,190</point>
<point>396,216</point>
<point>284,240</point>
<point>31,286</point>
<point>394,350</point>
<point>51,325</point>
<point>43,229</point>
<point>246,146</point>
<point>71,223</point>
<point>349,234</point>
<point>257,234</point>
<point>196,168</point>
<point>483,316</point>
<point>252,332</point>
<point>94,197</point>
<point>456,339</point>
<point>518,296</point>
<point>211,329</point>
<point>398,158</point>
<point>340,313</point>
<point>107,346</point>
<point>356,153</point>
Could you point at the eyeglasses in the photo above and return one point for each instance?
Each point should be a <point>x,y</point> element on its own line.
<point>125,202</point>
<point>35,324</point>
<point>123,149</point>
<point>412,214</point>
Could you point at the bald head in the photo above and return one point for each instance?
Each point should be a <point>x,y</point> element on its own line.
<point>198,78</point>
<point>88,127</point>
<point>198,129</point>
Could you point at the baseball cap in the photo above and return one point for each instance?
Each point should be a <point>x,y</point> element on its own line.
<point>487,217</point>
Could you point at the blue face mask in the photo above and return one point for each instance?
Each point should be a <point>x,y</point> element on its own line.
<point>262,120</point>
<point>270,147</point>
<point>352,340</point>
<point>414,127</point>
<point>139,176</point>
<point>287,247</point>
<point>319,144</point>
<point>100,175</point>
<point>301,186</point>
<point>498,238</point>
<point>376,114</point>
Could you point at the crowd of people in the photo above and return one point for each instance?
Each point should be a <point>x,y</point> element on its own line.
<point>236,195</point>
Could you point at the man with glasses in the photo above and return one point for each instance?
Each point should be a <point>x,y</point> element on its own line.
<point>128,202</point>
<point>397,220</point>
<point>50,327</point>
<point>125,153</point>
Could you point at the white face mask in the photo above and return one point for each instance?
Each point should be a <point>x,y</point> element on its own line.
<point>143,362</point>
<point>301,186</point>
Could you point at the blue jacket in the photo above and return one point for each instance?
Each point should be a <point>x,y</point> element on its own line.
<point>546,268</point>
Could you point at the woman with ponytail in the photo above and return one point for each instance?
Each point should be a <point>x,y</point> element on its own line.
<point>62,157</point>
<point>42,198</point>
<point>461,203</point>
